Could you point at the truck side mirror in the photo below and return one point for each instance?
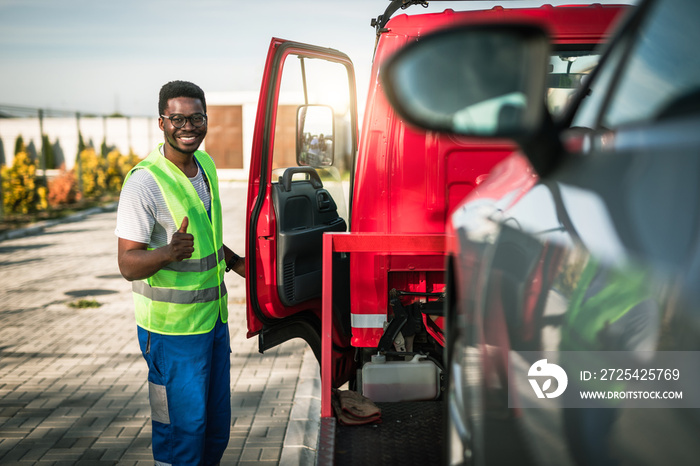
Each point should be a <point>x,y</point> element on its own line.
<point>315,135</point>
<point>484,80</point>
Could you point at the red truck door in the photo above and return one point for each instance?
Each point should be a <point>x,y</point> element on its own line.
<point>304,143</point>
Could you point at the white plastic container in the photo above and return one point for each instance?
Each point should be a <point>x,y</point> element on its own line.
<point>414,380</point>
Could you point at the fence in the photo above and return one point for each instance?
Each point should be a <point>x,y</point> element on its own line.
<point>54,138</point>
<point>64,130</point>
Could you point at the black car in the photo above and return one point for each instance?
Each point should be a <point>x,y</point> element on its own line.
<point>573,301</point>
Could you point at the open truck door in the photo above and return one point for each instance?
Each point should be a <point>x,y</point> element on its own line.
<point>304,145</point>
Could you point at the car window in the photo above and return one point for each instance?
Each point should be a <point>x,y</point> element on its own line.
<point>661,78</point>
<point>588,111</point>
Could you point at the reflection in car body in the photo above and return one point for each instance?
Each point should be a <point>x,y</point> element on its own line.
<point>584,244</point>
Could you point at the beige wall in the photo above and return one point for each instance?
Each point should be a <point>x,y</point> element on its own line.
<point>225,135</point>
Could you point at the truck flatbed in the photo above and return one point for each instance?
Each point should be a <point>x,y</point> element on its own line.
<point>410,433</point>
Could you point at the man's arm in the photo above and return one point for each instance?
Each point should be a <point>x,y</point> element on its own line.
<point>239,267</point>
<point>136,262</point>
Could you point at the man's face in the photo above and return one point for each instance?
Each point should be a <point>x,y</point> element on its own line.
<point>187,139</point>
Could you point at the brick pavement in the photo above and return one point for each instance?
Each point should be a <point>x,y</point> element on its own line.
<point>72,380</point>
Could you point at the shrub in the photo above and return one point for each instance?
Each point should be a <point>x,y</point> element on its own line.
<point>22,194</point>
<point>94,178</point>
<point>105,175</point>
<point>118,165</point>
<point>63,190</point>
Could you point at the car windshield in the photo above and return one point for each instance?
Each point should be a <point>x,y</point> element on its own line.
<point>567,70</point>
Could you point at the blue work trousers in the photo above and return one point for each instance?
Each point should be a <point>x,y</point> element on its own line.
<point>189,388</point>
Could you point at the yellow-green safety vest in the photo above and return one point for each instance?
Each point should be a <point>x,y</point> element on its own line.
<point>185,298</point>
<point>585,319</point>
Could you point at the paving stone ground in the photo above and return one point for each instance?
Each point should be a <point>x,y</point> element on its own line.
<point>72,380</point>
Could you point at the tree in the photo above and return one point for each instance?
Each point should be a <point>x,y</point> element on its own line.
<point>48,152</point>
<point>19,145</point>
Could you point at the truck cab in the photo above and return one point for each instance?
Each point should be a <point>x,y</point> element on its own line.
<point>312,173</point>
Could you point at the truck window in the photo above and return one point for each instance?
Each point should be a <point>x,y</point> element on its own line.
<point>316,90</point>
<point>568,70</point>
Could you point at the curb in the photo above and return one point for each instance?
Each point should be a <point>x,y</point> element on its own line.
<point>39,227</point>
<point>301,437</point>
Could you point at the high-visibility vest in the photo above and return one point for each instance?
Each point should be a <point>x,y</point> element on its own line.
<point>584,329</point>
<point>186,297</point>
<point>587,318</point>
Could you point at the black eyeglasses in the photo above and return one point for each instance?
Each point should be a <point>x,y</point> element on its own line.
<point>197,120</point>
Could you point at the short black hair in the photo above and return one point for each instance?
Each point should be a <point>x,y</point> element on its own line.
<point>175,89</point>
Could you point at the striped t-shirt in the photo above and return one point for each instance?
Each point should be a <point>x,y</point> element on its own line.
<point>143,215</point>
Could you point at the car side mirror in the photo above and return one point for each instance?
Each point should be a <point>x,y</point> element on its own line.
<point>482,80</point>
<point>315,136</point>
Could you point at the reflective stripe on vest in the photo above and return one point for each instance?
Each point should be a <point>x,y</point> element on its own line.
<point>197,265</point>
<point>169,295</point>
<point>186,297</point>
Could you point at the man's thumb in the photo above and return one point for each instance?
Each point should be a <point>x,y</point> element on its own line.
<point>183,227</point>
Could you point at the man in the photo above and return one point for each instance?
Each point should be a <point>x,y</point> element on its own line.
<point>169,225</point>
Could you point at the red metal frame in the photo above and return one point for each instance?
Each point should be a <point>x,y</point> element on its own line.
<point>360,242</point>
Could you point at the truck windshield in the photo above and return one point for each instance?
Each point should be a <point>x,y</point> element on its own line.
<point>568,68</point>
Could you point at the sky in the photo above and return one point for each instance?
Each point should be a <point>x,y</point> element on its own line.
<point>103,56</point>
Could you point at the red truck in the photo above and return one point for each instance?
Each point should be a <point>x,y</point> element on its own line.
<point>369,297</point>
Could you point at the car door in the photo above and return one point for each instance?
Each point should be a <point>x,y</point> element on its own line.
<point>304,142</point>
<point>628,284</point>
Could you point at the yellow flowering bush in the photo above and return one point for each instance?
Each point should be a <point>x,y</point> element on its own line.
<point>94,174</point>
<point>22,194</point>
<point>118,165</point>
<point>101,176</point>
